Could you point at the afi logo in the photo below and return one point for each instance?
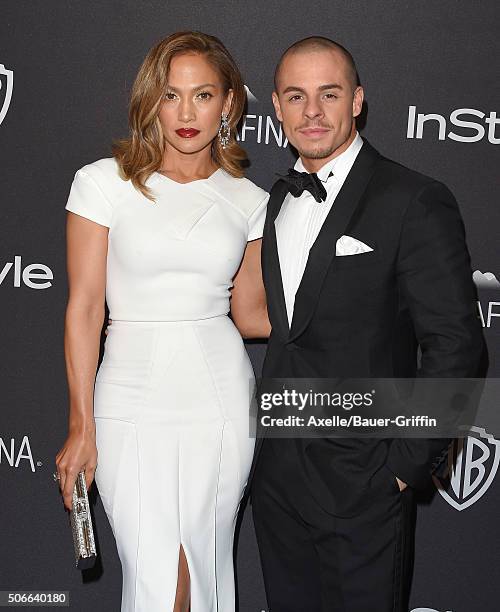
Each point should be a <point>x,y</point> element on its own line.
<point>258,127</point>
<point>14,455</point>
<point>6,87</point>
<point>485,280</point>
<point>471,131</point>
<point>488,313</point>
<point>472,465</point>
<point>35,280</point>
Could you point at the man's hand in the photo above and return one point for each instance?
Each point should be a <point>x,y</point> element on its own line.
<point>402,485</point>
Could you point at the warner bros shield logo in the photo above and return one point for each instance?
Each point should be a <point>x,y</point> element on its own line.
<point>472,465</point>
<point>6,87</point>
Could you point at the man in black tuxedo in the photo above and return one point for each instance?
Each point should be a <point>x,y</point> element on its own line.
<point>364,261</point>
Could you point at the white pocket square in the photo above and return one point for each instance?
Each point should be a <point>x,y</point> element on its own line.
<point>347,245</point>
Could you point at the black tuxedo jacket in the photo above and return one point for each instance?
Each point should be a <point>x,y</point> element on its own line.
<point>366,315</point>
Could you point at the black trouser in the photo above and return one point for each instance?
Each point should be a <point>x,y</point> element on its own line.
<point>313,561</point>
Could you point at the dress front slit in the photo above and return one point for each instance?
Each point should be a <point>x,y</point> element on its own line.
<point>172,466</point>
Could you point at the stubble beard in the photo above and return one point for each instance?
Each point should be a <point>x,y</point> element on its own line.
<point>317,153</point>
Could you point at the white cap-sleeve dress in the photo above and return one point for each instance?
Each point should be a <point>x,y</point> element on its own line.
<point>172,394</point>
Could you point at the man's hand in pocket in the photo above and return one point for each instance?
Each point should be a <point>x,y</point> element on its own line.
<point>402,485</point>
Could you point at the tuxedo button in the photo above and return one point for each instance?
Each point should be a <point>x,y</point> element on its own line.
<point>291,346</point>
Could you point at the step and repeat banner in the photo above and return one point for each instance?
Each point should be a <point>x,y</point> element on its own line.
<point>430,74</point>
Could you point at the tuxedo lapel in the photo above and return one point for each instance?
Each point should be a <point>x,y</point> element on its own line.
<point>271,270</point>
<point>322,252</point>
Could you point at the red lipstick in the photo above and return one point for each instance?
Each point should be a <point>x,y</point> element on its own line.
<point>187,132</point>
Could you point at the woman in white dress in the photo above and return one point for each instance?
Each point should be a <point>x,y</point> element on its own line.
<point>167,231</point>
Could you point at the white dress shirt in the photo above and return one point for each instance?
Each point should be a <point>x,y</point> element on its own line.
<point>300,220</point>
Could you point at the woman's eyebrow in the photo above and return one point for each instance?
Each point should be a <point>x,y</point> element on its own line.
<point>194,88</point>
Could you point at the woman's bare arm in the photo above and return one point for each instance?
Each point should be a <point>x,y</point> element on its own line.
<point>87,244</point>
<point>248,297</point>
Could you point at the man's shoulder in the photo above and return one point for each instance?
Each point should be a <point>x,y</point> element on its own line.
<point>398,174</point>
<point>404,188</point>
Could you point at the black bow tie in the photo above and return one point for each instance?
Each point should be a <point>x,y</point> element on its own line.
<point>298,182</point>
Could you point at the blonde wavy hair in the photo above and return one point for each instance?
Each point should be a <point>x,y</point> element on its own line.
<point>141,154</point>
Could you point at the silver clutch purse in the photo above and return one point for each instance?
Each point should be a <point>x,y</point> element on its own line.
<point>81,526</point>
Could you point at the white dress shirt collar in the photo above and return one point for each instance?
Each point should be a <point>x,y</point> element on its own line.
<point>340,165</point>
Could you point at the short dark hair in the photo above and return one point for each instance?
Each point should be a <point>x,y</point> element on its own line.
<point>315,43</point>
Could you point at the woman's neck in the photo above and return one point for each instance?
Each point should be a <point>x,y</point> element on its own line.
<point>188,167</point>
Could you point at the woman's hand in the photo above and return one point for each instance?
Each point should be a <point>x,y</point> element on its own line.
<point>78,453</point>
<point>109,323</point>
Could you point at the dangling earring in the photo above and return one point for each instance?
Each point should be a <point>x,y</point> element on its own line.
<point>224,131</point>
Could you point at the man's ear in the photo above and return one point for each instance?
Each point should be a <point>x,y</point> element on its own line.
<point>227,102</point>
<point>277,106</point>
<point>357,101</point>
